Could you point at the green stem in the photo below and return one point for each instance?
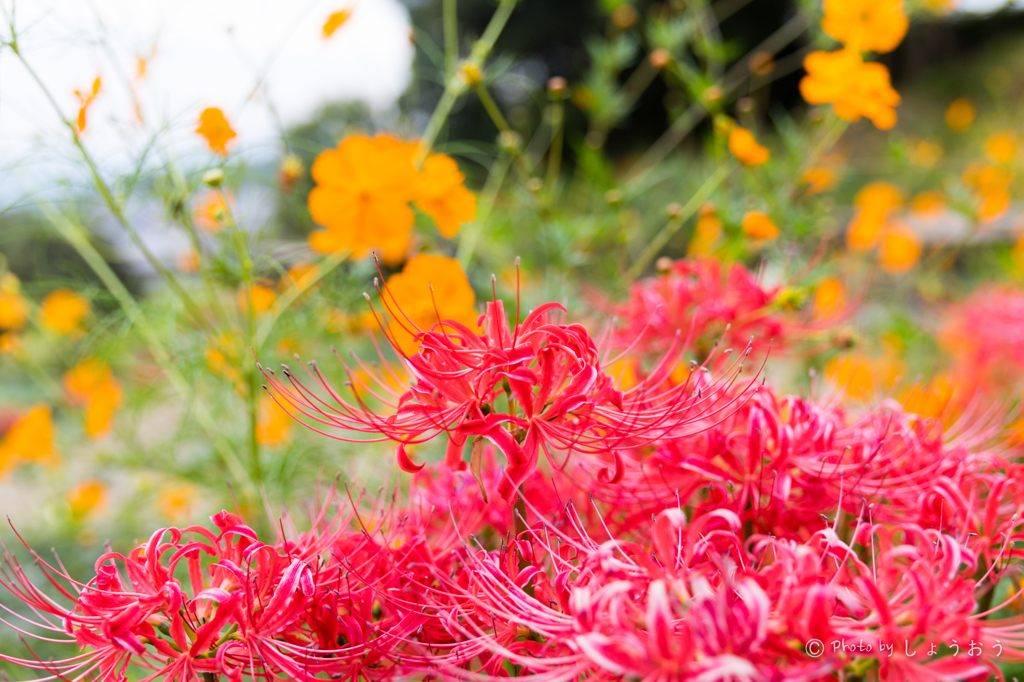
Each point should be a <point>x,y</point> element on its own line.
<point>695,202</point>
<point>471,233</point>
<point>499,121</point>
<point>451,38</point>
<point>557,138</point>
<point>107,194</point>
<point>77,238</point>
<point>251,372</point>
<point>288,297</point>
<point>455,84</point>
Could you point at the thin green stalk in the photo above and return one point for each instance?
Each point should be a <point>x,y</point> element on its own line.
<point>499,121</point>
<point>471,233</point>
<point>695,202</point>
<point>251,372</point>
<point>557,139</point>
<point>285,300</point>
<point>105,191</point>
<point>451,38</point>
<point>77,238</point>
<point>455,84</point>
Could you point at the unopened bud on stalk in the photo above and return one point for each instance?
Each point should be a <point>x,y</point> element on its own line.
<point>663,264</point>
<point>660,58</point>
<point>613,197</point>
<point>557,86</point>
<point>213,177</point>
<point>674,210</point>
<point>471,73</point>
<point>510,141</point>
<point>534,185</point>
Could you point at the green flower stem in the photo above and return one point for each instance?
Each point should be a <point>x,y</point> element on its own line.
<point>252,378</point>
<point>455,84</point>
<point>291,295</point>
<point>695,202</point>
<point>78,239</point>
<point>451,38</point>
<point>104,189</point>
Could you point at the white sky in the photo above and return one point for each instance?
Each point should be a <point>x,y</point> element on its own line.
<point>207,53</point>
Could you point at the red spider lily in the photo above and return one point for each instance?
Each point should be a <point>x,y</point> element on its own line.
<point>983,334</point>
<point>697,294</point>
<point>537,386</point>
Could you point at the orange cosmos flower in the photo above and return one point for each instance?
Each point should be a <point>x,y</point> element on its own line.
<point>875,202</point>
<point>215,129</point>
<point>262,298</point>
<point>362,194</point>
<point>900,249</point>
<point>13,309</point>
<point>410,291</point>
<point>991,188</point>
<point>757,225</point>
<point>819,179</point>
<point>706,232</point>
<point>960,115</point>
<point>745,148</point>
<point>925,154</point>
<point>829,299</point>
<point>176,502</point>
<point>866,25</point>
<point>1001,147</point>
<point>63,310</point>
<point>85,498</point>
<point>443,197</point>
<point>853,88</point>
<point>212,213</point>
<point>275,424</point>
<point>92,384</point>
<point>931,400</point>
<point>84,101</point>
<point>189,262</point>
<point>30,439</point>
<point>336,21</point>
<point>928,203</point>
<point>300,276</point>
<point>10,343</point>
<point>223,357</point>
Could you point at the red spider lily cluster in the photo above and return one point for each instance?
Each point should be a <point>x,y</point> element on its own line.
<point>695,527</point>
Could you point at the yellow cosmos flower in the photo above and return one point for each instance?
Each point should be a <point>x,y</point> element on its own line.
<point>960,115</point>
<point>215,129</point>
<point>875,203</point>
<point>336,20</point>
<point>13,308</point>
<point>854,88</point>
<point>925,154</point>
<point>991,187</point>
<point>410,291</point>
<point>63,311</point>
<point>866,25</point>
<point>706,233</point>
<point>362,195</point>
<point>32,438</point>
<point>819,179</point>
<point>275,424</point>
<point>92,384</point>
<point>746,148</point>
<point>176,502</point>
<point>1001,147</point>
<point>443,197</point>
<point>900,249</point>
<point>262,298</point>
<point>85,498</point>
<point>829,298</point>
<point>757,225</point>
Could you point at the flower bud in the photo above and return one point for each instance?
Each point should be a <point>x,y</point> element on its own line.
<point>213,177</point>
<point>660,58</point>
<point>557,86</point>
